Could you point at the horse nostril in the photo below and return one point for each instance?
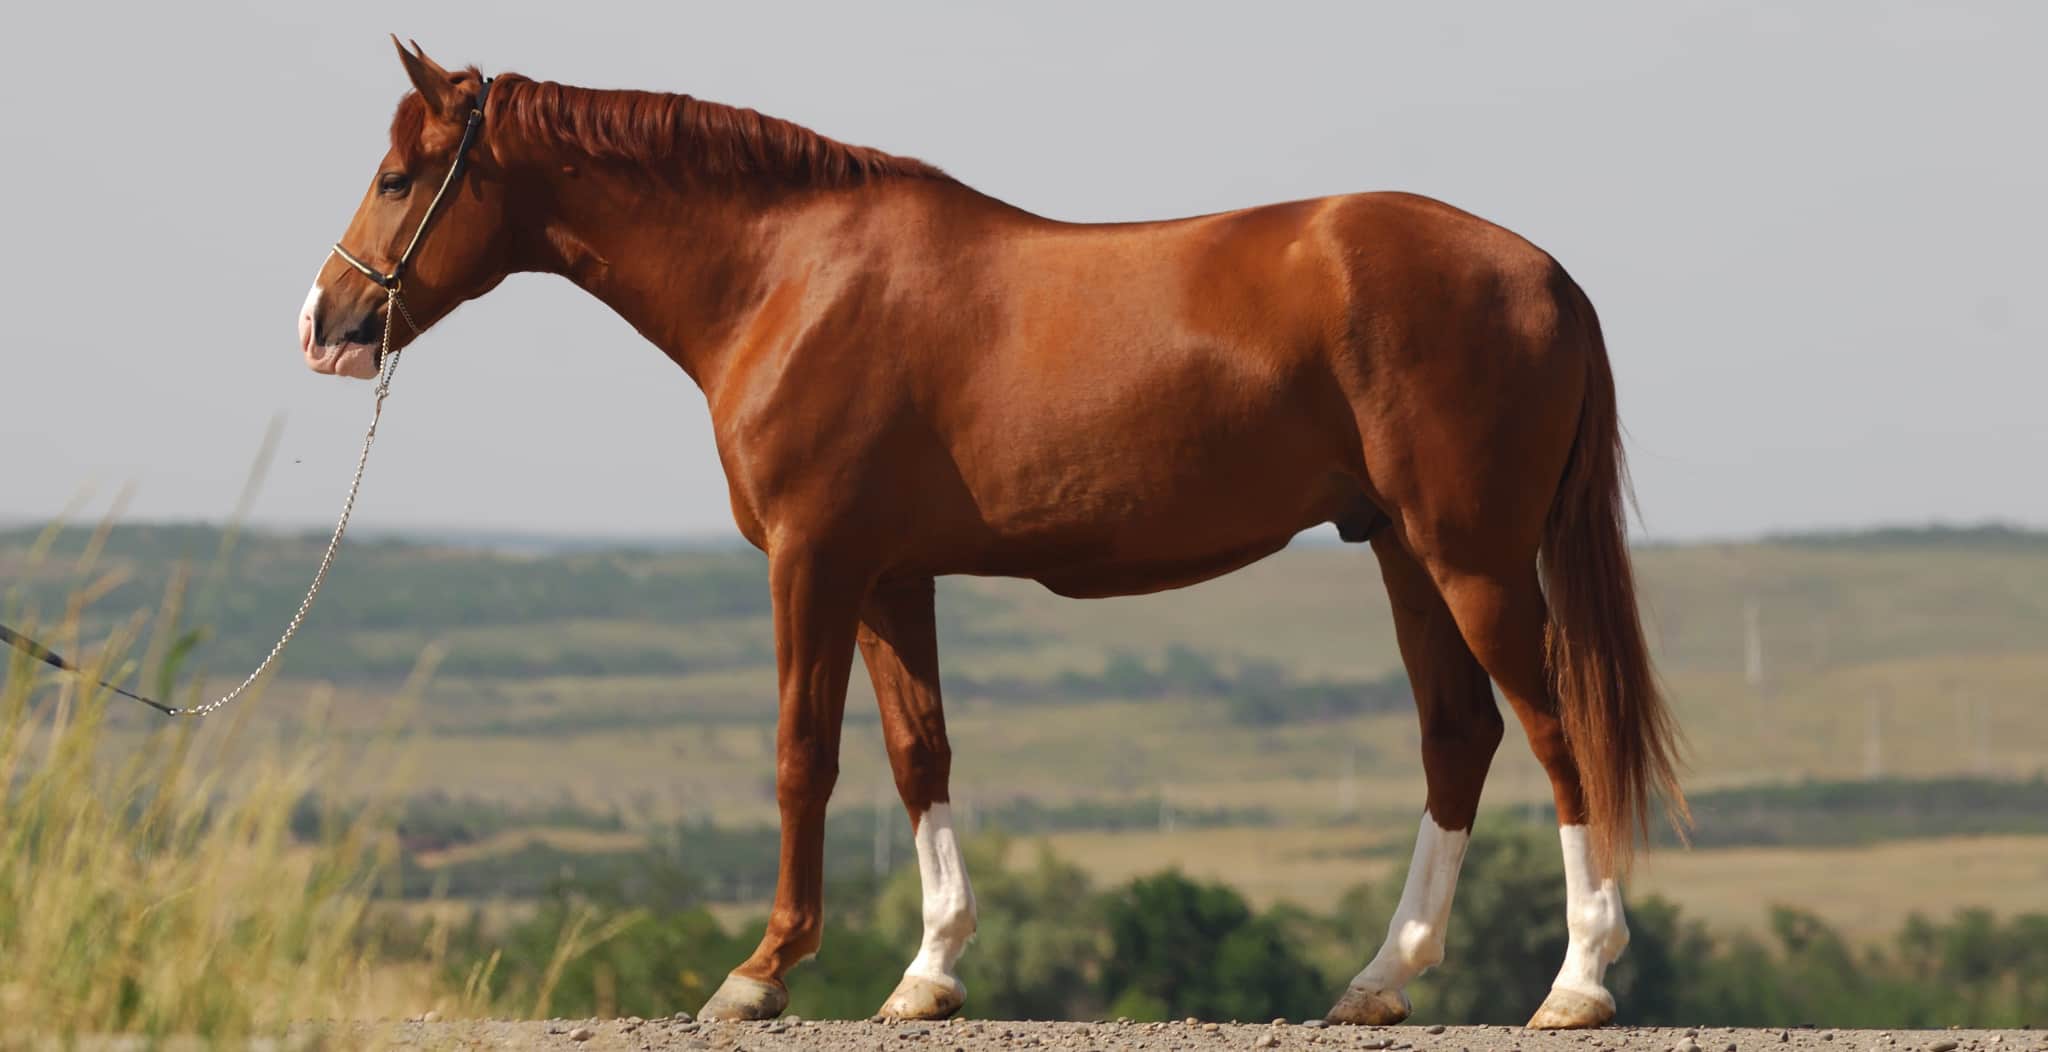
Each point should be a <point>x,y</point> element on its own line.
<point>366,330</point>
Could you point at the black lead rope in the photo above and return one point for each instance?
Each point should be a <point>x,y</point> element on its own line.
<point>55,660</point>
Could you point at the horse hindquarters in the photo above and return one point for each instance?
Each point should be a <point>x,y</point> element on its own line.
<point>1473,502</point>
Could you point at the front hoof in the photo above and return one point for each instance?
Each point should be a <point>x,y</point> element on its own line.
<point>1571,1010</point>
<point>925,997</point>
<point>1359,1007</point>
<point>740,999</point>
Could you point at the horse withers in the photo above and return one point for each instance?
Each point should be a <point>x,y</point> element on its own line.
<point>908,378</point>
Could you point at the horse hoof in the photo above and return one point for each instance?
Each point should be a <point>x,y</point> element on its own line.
<point>925,997</point>
<point>1360,1007</point>
<point>739,999</point>
<point>1571,1010</point>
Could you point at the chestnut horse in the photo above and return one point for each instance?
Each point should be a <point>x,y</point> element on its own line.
<point>908,378</point>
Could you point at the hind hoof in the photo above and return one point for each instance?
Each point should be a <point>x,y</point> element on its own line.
<point>1571,1010</point>
<point>925,997</point>
<point>740,999</point>
<point>1369,1008</point>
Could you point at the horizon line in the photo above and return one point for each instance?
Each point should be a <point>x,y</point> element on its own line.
<point>488,536</point>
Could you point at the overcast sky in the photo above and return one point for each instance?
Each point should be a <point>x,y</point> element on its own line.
<point>1815,232</point>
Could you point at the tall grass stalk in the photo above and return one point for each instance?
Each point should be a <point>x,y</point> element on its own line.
<point>149,885</point>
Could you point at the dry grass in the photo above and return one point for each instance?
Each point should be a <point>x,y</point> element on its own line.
<point>1311,867</point>
<point>1865,892</point>
<point>152,892</point>
<point>587,841</point>
<point>151,878</point>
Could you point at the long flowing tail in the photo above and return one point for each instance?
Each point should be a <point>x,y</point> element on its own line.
<point>1614,715</point>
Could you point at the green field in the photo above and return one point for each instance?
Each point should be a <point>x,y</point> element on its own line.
<point>1254,728</point>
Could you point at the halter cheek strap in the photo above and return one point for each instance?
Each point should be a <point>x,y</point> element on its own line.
<point>394,281</point>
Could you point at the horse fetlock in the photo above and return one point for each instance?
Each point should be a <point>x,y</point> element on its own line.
<point>1421,945</point>
<point>1598,923</point>
<point>950,919</point>
<point>1611,948</point>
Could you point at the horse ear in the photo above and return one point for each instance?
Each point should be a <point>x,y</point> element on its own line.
<point>433,82</point>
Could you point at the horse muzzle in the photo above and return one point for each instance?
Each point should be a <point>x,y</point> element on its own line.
<point>352,353</point>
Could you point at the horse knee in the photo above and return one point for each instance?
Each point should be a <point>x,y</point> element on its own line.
<point>805,776</point>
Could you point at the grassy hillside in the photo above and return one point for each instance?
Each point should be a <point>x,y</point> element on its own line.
<point>1929,647</point>
<point>638,682</point>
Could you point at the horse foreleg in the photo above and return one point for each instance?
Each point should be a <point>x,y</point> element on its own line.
<point>816,610</point>
<point>899,642</point>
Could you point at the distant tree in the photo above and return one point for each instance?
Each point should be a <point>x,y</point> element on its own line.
<point>1187,671</point>
<point>1126,676</point>
<point>1179,947</point>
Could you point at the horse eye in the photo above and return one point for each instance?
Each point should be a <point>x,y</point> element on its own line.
<point>393,183</point>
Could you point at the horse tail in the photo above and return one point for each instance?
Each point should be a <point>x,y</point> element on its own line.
<point>1615,718</point>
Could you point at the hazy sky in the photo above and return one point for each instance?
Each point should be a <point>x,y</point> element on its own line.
<point>1814,232</point>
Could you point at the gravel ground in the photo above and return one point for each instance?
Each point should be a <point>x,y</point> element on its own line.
<point>992,1036</point>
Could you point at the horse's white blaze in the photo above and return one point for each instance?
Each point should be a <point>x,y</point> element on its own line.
<point>1593,917</point>
<point>306,313</point>
<point>1415,937</point>
<point>948,898</point>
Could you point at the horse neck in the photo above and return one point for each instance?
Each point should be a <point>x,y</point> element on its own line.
<point>688,264</point>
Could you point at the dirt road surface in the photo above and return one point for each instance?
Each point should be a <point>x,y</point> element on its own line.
<point>992,1036</point>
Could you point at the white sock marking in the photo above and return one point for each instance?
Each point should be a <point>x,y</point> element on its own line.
<point>1415,937</point>
<point>1593,917</point>
<point>948,898</point>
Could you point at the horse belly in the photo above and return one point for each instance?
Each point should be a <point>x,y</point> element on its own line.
<point>1159,507</point>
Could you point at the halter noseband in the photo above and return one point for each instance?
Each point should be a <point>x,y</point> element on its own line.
<point>393,282</point>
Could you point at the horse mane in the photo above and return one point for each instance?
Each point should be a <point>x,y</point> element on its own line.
<point>670,134</point>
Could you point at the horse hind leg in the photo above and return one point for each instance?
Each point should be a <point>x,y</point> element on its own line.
<point>1502,616</point>
<point>1461,728</point>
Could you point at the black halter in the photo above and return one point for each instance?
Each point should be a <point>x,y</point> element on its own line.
<point>394,281</point>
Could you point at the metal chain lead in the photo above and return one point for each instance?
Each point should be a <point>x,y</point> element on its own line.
<point>387,362</point>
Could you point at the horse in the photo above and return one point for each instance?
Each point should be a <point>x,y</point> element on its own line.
<point>909,379</point>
